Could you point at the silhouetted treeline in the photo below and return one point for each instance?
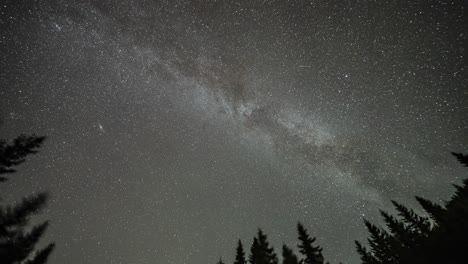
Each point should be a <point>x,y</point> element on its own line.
<point>442,237</point>
<point>261,252</point>
<point>17,240</point>
<point>408,238</point>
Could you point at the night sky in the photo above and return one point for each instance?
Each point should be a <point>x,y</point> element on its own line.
<point>176,128</point>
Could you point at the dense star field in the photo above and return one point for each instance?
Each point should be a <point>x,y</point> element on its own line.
<point>175,128</point>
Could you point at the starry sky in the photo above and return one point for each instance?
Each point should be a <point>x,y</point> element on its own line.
<point>177,127</point>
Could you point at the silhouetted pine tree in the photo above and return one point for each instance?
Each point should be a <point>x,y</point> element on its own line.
<point>381,244</point>
<point>220,261</point>
<point>463,159</point>
<point>366,256</point>
<point>413,239</point>
<point>12,155</point>
<point>312,254</point>
<point>240,254</point>
<point>449,240</point>
<point>17,245</point>
<point>261,252</point>
<point>288,256</point>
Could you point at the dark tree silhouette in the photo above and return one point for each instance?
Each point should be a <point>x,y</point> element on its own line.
<point>289,257</point>
<point>448,242</point>
<point>408,238</point>
<point>442,238</point>
<point>463,159</point>
<point>261,252</point>
<point>17,245</point>
<point>12,155</point>
<point>240,254</point>
<point>312,254</point>
<point>220,261</point>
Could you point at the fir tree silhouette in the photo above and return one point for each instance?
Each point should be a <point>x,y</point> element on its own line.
<point>240,254</point>
<point>440,238</point>
<point>17,245</point>
<point>12,155</point>
<point>312,254</point>
<point>289,257</point>
<point>261,252</point>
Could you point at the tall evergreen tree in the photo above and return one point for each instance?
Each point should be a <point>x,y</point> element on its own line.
<point>416,239</point>
<point>261,252</point>
<point>312,254</point>
<point>17,245</point>
<point>449,240</point>
<point>288,256</point>
<point>240,254</point>
<point>408,239</point>
<point>462,158</point>
<point>366,256</point>
<point>12,155</point>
